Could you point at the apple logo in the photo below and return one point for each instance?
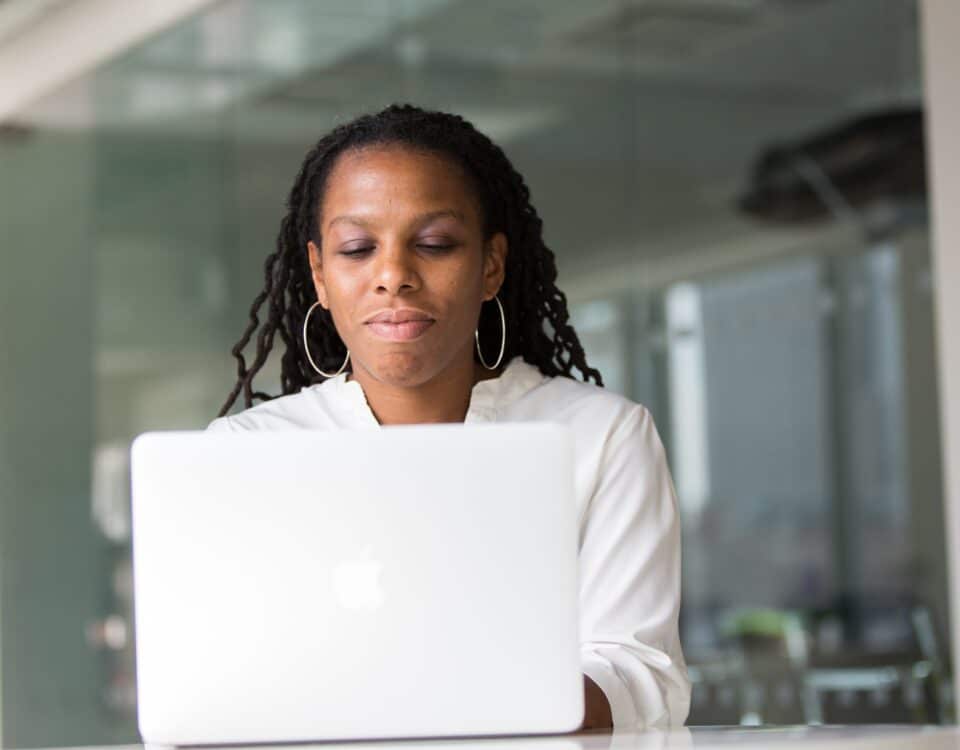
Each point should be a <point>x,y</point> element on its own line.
<point>357,582</point>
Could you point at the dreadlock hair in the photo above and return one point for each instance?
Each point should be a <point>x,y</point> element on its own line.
<point>531,301</point>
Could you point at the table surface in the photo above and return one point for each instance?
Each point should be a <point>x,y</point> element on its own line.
<point>876,737</point>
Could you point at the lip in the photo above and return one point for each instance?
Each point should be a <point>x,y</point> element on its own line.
<point>398,315</point>
<point>406,331</point>
<point>403,324</point>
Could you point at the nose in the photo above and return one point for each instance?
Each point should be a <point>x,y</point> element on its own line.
<point>396,271</point>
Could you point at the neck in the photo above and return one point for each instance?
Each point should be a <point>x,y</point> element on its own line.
<point>445,398</point>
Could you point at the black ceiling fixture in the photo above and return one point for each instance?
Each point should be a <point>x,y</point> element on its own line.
<point>841,172</point>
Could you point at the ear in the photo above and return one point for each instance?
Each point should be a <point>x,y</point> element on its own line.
<point>316,272</point>
<point>494,265</point>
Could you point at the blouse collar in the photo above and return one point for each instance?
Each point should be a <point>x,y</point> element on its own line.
<point>487,397</point>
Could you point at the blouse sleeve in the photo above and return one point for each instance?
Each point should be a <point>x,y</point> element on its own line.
<point>630,582</point>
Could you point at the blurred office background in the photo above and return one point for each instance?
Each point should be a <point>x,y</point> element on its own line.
<point>735,193</point>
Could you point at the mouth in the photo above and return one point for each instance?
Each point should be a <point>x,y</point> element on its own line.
<point>405,331</point>
<point>400,325</point>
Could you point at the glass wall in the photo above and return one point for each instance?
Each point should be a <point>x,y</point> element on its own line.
<point>734,191</point>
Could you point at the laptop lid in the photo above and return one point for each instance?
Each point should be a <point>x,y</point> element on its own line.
<point>411,581</point>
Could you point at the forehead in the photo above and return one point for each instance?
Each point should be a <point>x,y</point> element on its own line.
<point>396,179</point>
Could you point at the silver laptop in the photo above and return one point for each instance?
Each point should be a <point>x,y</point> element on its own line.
<point>414,581</point>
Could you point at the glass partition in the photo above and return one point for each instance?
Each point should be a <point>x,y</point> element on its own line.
<point>734,192</point>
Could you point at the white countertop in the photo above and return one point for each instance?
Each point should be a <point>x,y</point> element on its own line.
<point>877,737</point>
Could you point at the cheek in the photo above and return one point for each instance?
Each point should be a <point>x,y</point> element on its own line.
<point>342,288</point>
<point>341,303</point>
<point>463,292</point>
<point>464,279</point>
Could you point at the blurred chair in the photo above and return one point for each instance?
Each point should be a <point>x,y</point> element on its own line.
<point>771,669</point>
<point>870,695</point>
<point>759,678</point>
<point>907,684</point>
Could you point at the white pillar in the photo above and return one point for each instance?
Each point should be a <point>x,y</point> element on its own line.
<point>941,29</point>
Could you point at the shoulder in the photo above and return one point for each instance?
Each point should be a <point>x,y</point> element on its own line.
<point>314,407</point>
<point>586,405</point>
<point>609,429</point>
<point>619,459</point>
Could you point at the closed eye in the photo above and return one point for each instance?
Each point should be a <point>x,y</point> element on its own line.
<point>437,247</point>
<point>356,252</point>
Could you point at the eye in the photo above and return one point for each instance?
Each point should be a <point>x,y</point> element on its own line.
<point>356,252</point>
<point>436,246</point>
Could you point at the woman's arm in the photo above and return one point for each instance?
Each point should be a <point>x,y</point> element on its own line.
<point>596,707</point>
<point>630,581</point>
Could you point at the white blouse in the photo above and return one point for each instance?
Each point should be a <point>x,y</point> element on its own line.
<point>629,554</point>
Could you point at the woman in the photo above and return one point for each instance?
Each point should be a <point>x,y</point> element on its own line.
<point>411,284</point>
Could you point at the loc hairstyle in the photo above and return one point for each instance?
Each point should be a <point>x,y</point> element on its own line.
<point>536,310</point>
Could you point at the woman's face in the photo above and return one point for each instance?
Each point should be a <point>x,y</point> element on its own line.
<point>402,264</point>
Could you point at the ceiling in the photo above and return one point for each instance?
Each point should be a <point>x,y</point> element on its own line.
<point>632,120</point>
<point>278,58</point>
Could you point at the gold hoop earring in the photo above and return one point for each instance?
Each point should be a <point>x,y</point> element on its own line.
<point>503,338</point>
<point>306,347</point>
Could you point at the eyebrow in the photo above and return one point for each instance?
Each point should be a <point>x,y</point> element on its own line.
<point>419,219</point>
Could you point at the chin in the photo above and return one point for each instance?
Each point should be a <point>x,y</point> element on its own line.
<point>403,369</point>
